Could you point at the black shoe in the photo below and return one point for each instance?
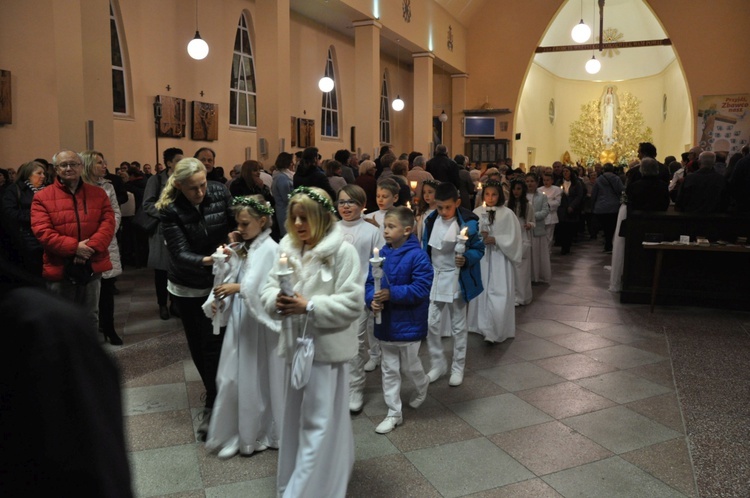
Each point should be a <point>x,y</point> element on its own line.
<point>112,337</point>
<point>163,312</point>
<point>173,310</point>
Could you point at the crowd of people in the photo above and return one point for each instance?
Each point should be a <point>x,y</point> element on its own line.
<point>294,281</point>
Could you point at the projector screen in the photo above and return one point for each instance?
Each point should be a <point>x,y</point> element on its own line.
<point>479,126</point>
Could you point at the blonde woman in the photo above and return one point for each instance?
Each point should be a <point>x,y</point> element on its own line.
<point>195,218</point>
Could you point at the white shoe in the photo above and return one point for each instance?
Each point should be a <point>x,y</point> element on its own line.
<point>457,379</point>
<point>229,451</point>
<point>356,400</point>
<point>435,373</point>
<point>372,364</point>
<point>388,424</point>
<point>418,398</point>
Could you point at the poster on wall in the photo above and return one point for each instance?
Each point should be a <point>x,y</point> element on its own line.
<point>205,121</point>
<point>173,122</point>
<point>6,110</point>
<point>723,122</point>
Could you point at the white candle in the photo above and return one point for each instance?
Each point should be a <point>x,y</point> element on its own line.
<point>283,262</point>
<point>375,253</point>
<point>463,232</point>
<point>484,204</point>
<point>408,204</point>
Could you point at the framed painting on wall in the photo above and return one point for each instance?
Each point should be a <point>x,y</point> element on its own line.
<point>6,110</point>
<point>306,132</point>
<point>205,121</point>
<point>294,132</point>
<point>173,121</point>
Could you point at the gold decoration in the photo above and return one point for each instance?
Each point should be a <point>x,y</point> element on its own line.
<point>608,156</point>
<point>611,35</point>
<point>586,137</point>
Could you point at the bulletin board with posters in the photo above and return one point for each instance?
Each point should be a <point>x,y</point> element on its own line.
<point>723,122</point>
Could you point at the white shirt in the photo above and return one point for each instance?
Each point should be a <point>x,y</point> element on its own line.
<point>364,237</point>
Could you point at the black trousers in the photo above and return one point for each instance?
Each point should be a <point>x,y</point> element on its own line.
<point>608,222</point>
<point>205,347</point>
<point>160,283</point>
<point>107,305</point>
<point>566,231</point>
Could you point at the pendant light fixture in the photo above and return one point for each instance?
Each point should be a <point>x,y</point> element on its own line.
<point>197,48</point>
<point>581,32</point>
<point>325,84</point>
<point>398,104</point>
<point>592,65</point>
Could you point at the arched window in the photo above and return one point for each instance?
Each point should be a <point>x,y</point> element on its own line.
<point>119,91</point>
<point>385,112</point>
<point>330,107</point>
<point>242,111</point>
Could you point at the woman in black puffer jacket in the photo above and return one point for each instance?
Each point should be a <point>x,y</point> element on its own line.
<point>195,219</point>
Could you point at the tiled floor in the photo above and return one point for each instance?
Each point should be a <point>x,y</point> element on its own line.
<point>592,398</point>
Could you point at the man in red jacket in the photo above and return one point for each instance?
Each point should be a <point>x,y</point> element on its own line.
<point>75,223</point>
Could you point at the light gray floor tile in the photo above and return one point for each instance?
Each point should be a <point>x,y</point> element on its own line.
<point>520,376</point>
<point>610,478</point>
<point>622,387</point>
<point>499,413</point>
<point>191,373</point>
<point>164,471</point>
<point>535,349</point>
<point>368,443</point>
<point>547,328</point>
<point>257,488</point>
<point>625,333</point>
<point>581,341</point>
<point>624,356</point>
<point>151,399</point>
<point>620,429</point>
<point>467,467</point>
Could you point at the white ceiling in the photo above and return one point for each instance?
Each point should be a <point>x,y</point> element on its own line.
<point>631,18</point>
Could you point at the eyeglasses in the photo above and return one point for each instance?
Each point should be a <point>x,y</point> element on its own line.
<point>347,203</point>
<point>71,165</point>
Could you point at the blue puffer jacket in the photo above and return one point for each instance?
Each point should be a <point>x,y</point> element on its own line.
<point>408,275</point>
<point>470,277</point>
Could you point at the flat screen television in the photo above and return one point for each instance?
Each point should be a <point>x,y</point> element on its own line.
<point>479,126</point>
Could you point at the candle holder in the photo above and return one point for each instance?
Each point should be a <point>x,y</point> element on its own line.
<point>377,273</point>
<point>220,271</point>
<point>286,285</point>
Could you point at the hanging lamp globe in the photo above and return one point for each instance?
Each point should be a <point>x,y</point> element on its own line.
<point>398,104</point>
<point>325,84</point>
<point>443,117</point>
<point>197,48</point>
<point>581,32</point>
<point>593,66</point>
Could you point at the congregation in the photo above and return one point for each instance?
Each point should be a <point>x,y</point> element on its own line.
<point>382,254</point>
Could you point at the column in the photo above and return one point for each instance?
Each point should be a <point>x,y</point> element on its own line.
<point>458,104</point>
<point>423,62</point>
<point>367,79</point>
<point>272,53</point>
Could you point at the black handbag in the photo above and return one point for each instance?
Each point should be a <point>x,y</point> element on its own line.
<point>78,274</point>
<point>145,221</point>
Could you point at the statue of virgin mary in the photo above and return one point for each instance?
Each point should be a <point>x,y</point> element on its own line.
<point>608,109</point>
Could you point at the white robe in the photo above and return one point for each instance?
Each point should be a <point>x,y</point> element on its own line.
<point>618,252</point>
<point>250,379</point>
<point>445,322</point>
<point>524,293</point>
<point>492,313</point>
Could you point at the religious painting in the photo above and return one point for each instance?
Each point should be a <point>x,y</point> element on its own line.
<point>294,132</point>
<point>305,133</point>
<point>6,110</point>
<point>723,122</point>
<point>173,121</point>
<point>205,121</point>
<point>437,131</point>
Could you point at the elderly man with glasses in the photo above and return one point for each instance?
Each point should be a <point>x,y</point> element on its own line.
<point>74,223</point>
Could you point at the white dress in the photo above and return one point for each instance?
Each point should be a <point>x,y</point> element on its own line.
<point>618,252</point>
<point>445,321</point>
<point>250,379</point>
<point>492,313</point>
<point>524,293</point>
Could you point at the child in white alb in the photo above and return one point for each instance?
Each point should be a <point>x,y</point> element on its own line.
<point>364,237</point>
<point>457,279</point>
<point>519,204</point>
<point>402,304</point>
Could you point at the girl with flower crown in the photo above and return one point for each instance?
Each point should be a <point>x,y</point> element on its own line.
<point>492,313</point>
<point>317,447</point>
<point>250,379</point>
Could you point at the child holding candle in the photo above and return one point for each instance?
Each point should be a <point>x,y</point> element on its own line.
<point>426,204</point>
<point>403,302</point>
<point>248,410</point>
<point>386,197</point>
<point>365,238</point>
<point>541,269</point>
<point>519,204</point>
<point>553,194</point>
<point>492,313</point>
<point>317,447</point>
<point>457,279</point>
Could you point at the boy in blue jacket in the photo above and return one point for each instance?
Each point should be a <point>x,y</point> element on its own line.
<point>442,228</point>
<point>402,302</point>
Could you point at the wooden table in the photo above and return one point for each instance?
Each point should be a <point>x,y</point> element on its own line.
<point>668,246</point>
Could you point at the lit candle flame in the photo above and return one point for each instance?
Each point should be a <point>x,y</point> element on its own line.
<point>376,253</point>
<point>463,232</point>
<point>283,262</point>
<point>413,185</point>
